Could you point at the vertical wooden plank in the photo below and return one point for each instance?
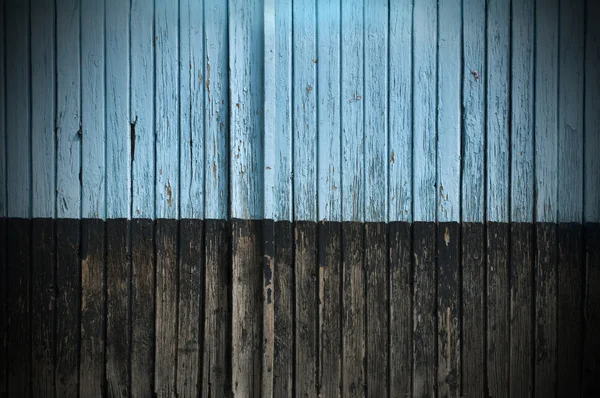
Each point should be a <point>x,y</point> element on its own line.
<point>216,369</point>
<point>591,352</point>
<point>498,300</point>
<point>190,307</point>
<point>4,305</point>
<point>353,311</point>
<point>143,89</point>
<point>330,309</point>
<point>377,307</point>
<point>424,110</point>
<point>545,310</point>
<point>93,306</point>
<point>68,109</point>
<point>268,346</point>
<point>448,310</point>
<point>68,305</point>
<point>473,237</point>
<point>353,178</point>
<point>142,307</point>
<point>3,138</point>
<point>165,360</point>
<point>93,111</point>
<point>18,351</point>
<point>424,310</point>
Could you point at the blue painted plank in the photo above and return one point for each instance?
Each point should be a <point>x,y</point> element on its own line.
<point>376,109</point>
<point>424,110</point>
<point>43,110</point>
<point>68,123</point>
<point>522,76</point>
<point>328,110</point>
<point>448,111</point>
<point>142,108</point>
<point>191,111</point>
<point>17,109</point>
<point>473,85</point>
<point>400,112</point>
<point>497,110</point>
<point>592,114</point>
<point>246,93</point>
<point>118,129</point>
<point>570,112</point>
<point>166,110</point>
<point>3,154</point>
<point>305,110</point>
<point>270,121</point>
<point>216,106</point>
<point>93,128</point>
<point>353,177</point>
<point>546,112</point>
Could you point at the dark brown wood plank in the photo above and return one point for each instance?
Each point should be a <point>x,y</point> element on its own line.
<point>18,355</point>
<point>268,308</point>
<point>498,300</point>
<point>424,307</point>
<point>473,310</point>
<point>570,309</point>
<point>93,323</point>
<point>330,309</point>
<point>142,307</point>
<point>3,307</point>
<point>591,352</point>
<point>247,320</point>
<point>216,379</point>
<point>166,307</point>
<point>401,312</point>
<point>191,297</point>
<point>545,310</point>
<point>377,325</point>
<point>307,308</point>
<point>521,309</point>
<point>353,310</point>
<point>42,307</point>
<point>448,309</point>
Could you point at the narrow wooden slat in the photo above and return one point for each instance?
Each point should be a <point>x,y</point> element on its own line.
<point>591,352</point>
<point>3,143</point>
<point>142,307</point>
<point>353,311</point>
<point>545,310</point>
<point>93,306</point>
<point>401,308</point>
<point>448,310</point>
<point>377,307</point>
<point>3,307</point>
<point>330,309</point>
<point>268,347</point>
<point>190,307</point>
<point>306,308</point>
<point>165,359</point>
<point>473,310</point>
<point>68,305</point>
<point>216,362</point>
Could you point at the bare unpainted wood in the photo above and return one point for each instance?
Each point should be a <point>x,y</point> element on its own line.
<point>591,352</point>
<point>268,308</point>
<point>3,306</point>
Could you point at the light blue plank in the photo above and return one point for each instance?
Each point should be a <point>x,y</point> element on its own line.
<point>3,154</point>
<point>93,170</point>
<point>142,107</point>
<point>570,112</point>
<point>376,109</point>
<point>68,123</point>
<point>270,121</point>
<point>328,110</point>
<point>191,113</point>
<point>353,176</point>
<point>546,112</point>
<point>167,110</point>
<point>246,92</point>
<point>305,110</point>
<point>216,107</point>
<point>118,128</point>
<point>401,117</point>
<point>521,184</point>
<point>592,113</point>
<point>449,104</point>
<point>424,110</point>
<point>17,109</point>
<point>497,109</point>
<point>473,84</point>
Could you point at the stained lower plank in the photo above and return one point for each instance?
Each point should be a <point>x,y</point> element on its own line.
<point>3,307</point>
<point>591,352</point>
<point>268,348</point>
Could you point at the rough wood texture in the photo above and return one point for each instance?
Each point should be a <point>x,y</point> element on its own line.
<point>268,347</point>
<point>591,352</point>
<point>3,307</point>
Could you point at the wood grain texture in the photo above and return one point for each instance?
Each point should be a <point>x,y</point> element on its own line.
<point>3,132</point>
<point>3,306</point>
<point>591,350</point>
<point>268,347</point>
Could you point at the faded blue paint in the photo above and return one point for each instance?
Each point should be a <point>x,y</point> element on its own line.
<point>3,154</point>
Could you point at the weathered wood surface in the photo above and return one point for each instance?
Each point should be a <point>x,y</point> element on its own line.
<point>591,351</point>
